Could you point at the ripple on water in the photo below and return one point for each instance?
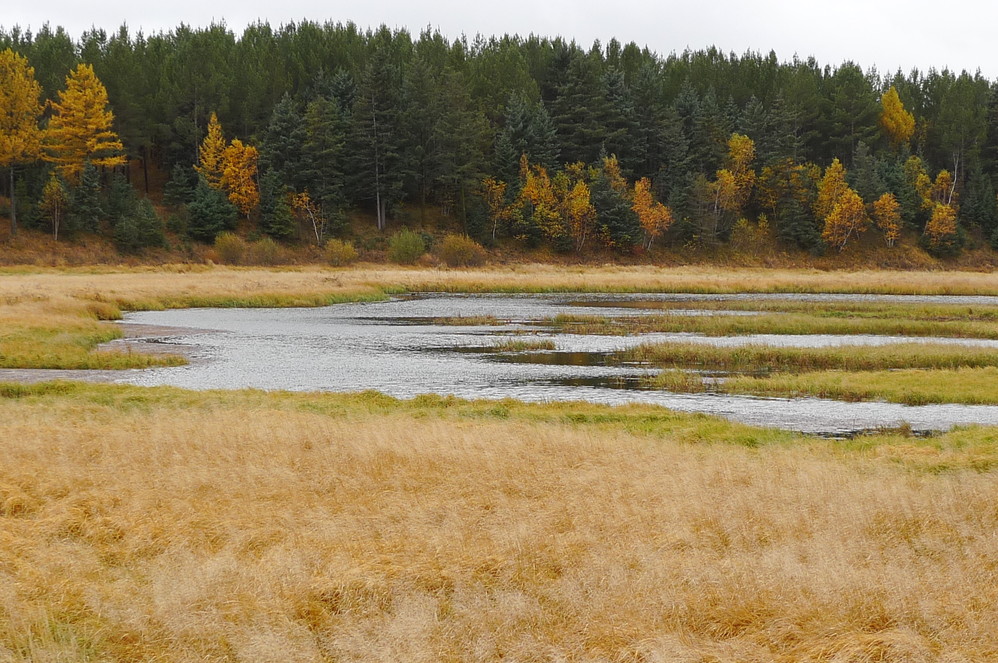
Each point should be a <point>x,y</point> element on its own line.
<point>392,347</point>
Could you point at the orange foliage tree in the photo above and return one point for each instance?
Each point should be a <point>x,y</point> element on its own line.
<point>239,176</point>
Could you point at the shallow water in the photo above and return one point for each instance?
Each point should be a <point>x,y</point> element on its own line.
<point>393,347</point>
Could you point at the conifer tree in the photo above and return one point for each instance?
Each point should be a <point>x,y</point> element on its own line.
<point>80,129</point>
<point>239,176</point>
<point>20,108</point>
<point>211,155</point>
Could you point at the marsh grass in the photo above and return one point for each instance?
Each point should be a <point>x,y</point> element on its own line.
<point>971,386</point>
<point>764,358</point>
<point>467,321</point>
<point>522,345</point>
<point>159,524</point>
<point>771,323</point>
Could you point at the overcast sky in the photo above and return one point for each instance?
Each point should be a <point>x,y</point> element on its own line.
<point>884,33</point>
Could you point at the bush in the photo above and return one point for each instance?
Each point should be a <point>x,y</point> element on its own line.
<point>264,252</point>
<point>340,253</point>
<point>405,247</point>
<point>461,251</point>
<point>230,248</point>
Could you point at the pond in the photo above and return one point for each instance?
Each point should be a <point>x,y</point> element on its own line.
<point>401,348</point>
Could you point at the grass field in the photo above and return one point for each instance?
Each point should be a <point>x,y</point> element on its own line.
<point>165,525</point>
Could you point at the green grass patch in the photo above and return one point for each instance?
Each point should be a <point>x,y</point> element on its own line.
<point>771,323</point>
<point>764,358</point>
<point>522,345</point>
<point>971,386</point>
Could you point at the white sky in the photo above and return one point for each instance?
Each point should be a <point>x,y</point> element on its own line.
<point>885,33</point>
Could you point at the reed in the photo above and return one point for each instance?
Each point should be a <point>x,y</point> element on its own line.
<point>522,344</point>
<point>971,386</point>
<point>158,524</point>
<point>771,323</point>
<point>765,358</point>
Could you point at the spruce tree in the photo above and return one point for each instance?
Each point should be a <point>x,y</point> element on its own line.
<point>210,213</point>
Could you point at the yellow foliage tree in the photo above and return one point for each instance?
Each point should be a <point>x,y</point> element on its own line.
<point>80,128</point>
<point>538,192</point>
<point>308,213</point>
<point>847,219</point>
<point>211,154</point>
<point>239,176</point>
<point>611,170</point>
<point>20,108</point>
<point>54,201</point>
<point>887,212</point>
<point>578,211</point>
<point>831,188</point>
<point>733,184</point>
<point>942,192</point>
<point>897,123</point>
<point>941,230</point>
<point>654,217</point>
<point>493,192</point>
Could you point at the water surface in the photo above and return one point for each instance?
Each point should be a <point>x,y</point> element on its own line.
<point>396,348</point>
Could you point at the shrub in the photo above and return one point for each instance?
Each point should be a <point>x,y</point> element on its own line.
<point>340,253</point>
<point>264,252</point>
<point>230,248</point>
<point>461,251</point>
<point>405,247</point>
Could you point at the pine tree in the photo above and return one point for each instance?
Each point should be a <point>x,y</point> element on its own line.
<point>139,229</point>
<point>282,146</point>
<point>323,167</point>
<point>80,129</point>
<point>276,219</point>
<point>20,136</point>
<point>85,211</point>
<point>210,213</point>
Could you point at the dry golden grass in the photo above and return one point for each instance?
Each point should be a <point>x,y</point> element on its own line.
<point>174,284</point>
<point>169,526</point>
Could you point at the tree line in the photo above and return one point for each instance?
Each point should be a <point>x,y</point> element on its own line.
<point>535,140</point>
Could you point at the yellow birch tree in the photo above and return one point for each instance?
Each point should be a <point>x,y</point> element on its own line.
<point>831,188</point>
<point>654,217</point>
<point>847,219</point>
<point>80,128</point>
<point>887,212</point>
<point>20,108</point>
<point>941,230</point>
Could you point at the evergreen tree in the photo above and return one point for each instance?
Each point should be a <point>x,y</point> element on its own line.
<point>179,189</point>
<point>282,144</point>
<point>210,213</point>
<point>276,219</point>
<point>84,212</point>
<point>140,228</point>
<point>980,206</point>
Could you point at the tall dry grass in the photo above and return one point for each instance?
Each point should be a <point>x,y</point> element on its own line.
<point>137,526</point>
